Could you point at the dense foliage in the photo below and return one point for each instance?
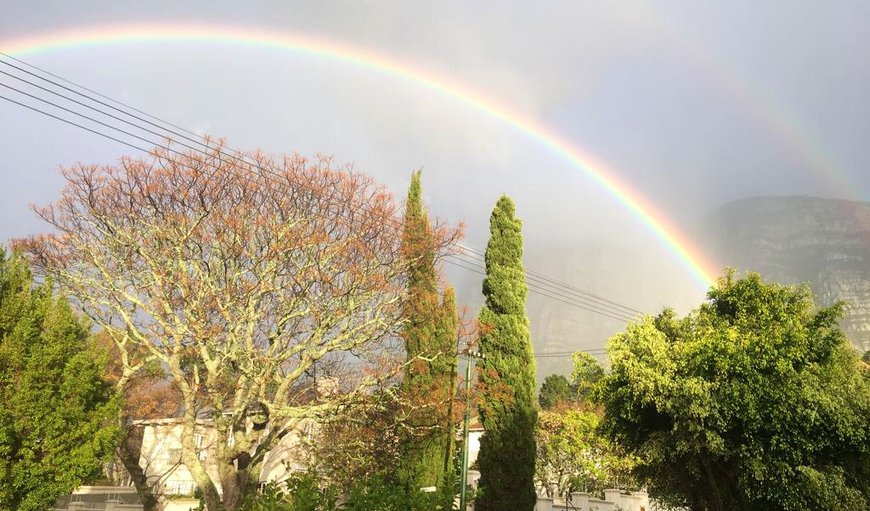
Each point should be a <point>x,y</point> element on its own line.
<point>554,391</point>
<point>507,373</point>
<point>307,491</point>
<point>586,374</point>
<point>429,333</point>
<point>302,491</point>
<point>754,401</point>
<point>57,414</point>
<point>574,456</point>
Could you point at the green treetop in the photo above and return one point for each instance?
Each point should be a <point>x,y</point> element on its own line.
<point>507,373</point>
<point>554,391</point>
<point>754,401</point>
<point>57,420</point>
<point>586,373</point>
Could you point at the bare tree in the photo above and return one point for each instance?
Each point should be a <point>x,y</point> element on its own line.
<point>145,394</point>
<point>238,274</point>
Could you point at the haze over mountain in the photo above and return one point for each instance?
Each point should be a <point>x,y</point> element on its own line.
<point>822,242</point>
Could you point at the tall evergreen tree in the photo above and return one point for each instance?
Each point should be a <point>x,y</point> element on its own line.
<point>507,373</point>
<point>430,338</point>
<point>57,419</point>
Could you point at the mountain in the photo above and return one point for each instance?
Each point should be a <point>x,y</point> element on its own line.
<point>567,319</point>
<point>822,242</point>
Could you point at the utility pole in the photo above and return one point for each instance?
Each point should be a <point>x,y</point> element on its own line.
<point>463,475</point>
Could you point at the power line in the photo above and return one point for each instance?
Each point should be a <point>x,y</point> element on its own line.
<point>537,282</point>
<point>78,114</point>
<point>111,116</point>
<point>533,281</point>
<point>95,93</point>
<point>622,316</point>
<point>534,289</point>
<point>562,354</point>
<point>73,123</point>
<point>568,287</point>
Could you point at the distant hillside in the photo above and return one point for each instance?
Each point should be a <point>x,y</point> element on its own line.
<point>607,270</point>
<point>823,242</point>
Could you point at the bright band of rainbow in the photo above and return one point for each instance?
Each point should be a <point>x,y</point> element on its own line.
<point>656,222</point>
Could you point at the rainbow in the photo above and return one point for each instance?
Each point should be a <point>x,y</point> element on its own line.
<point>783,123</point>
<point>657,223</point>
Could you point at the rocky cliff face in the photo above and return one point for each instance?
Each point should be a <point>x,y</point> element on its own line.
<point>823,242</point>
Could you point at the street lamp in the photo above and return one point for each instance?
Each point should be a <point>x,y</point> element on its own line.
<point>463,481</point>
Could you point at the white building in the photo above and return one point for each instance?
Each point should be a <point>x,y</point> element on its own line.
<point>160,455</point>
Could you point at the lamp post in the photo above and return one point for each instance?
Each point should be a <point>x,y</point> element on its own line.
<point>463,476</point>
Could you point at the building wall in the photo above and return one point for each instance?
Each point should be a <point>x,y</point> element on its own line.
<point>474,445</point>
<point>613,500</point>
<point>160,456</point>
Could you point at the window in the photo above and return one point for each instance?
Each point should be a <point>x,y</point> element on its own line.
<point>198,444</point>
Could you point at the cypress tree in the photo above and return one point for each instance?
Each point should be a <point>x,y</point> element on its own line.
<point>430,336</point>
<point>446,371</point>
<point>507,373</point>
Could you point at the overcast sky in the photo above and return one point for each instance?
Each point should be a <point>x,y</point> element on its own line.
<point>694,103</point>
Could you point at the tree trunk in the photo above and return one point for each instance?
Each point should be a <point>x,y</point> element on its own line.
<point>716,501</point>
<point>235,478</point>
<point>128,452</point>
<point>190,457</point>
<point>209,493</point>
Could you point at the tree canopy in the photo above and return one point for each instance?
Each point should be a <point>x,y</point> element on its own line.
<point>753,401</point>
<point>586,373</point>
<point>57,419</point>
<point>555,390</point>
<point>574,456</point>
<point>247,278</point>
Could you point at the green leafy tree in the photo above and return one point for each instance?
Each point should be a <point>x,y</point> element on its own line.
<point>377,494</point>
<point>754,401</point>
<point>574,456</point>
<point>430,341</point>
<point>555,390</point>
<point>57,417</point>
<point>507,373</point>
<point>586,374</point>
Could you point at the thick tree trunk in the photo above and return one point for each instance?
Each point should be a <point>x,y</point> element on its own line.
<point>128,452</point>
<point>190,457</point>
<point>233,492</point>
<point>210,495</point>
<point>236,481</point>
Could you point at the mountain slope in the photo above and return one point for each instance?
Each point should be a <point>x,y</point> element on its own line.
<point>823,242</point>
